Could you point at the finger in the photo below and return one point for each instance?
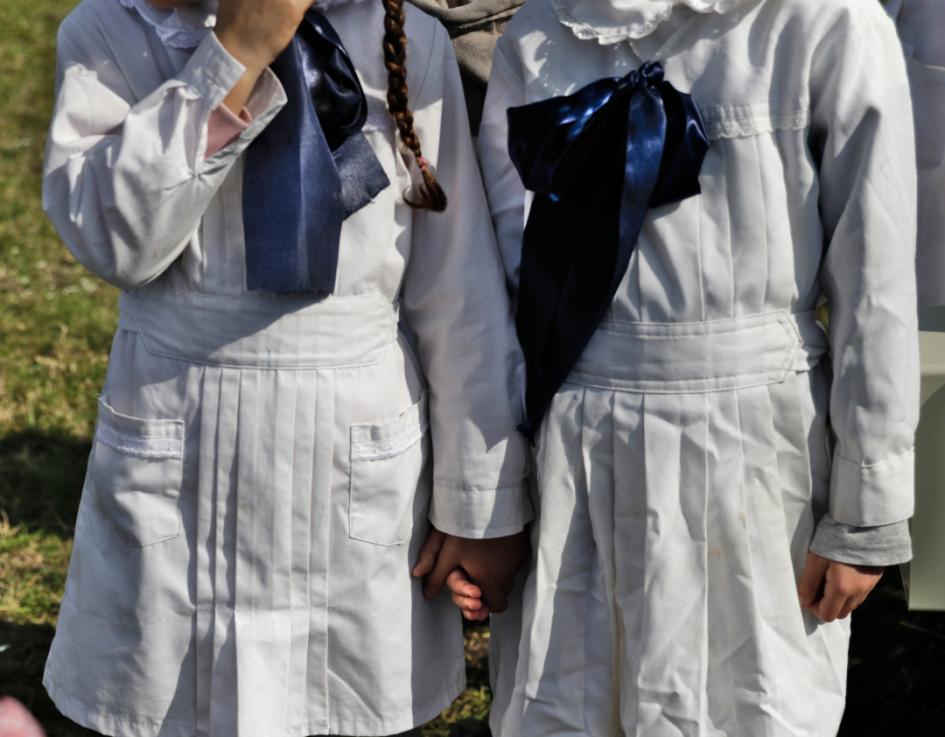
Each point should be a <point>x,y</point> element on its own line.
<point>811,581</point>
<point>457,583</point>
<point>467,602</point>
<point>848,607</point>
<point>428,554</point>
<point>830,604</point>
<point>436,579</point>
<point>858,602</point>
<point>495,599</point>
<point>477,616</point>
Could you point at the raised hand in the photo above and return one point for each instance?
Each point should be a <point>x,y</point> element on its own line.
<point>255,32</point>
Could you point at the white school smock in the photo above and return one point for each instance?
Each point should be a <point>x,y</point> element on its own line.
<point>683,467</point>
<point>263,467</point>
<point>921,26</point>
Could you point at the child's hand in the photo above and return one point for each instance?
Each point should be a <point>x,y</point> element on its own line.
<point>255,32</point>
<point>479,573</point>
<point>831,590</point>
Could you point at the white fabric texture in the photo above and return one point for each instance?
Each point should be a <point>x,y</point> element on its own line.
<point>264,467</point>
<point>921,24</point>
<point>616,21</point>
<point>674,519</point>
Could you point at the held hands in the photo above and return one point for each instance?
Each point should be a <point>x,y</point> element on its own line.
<point>478,573</point>
<point>831,590</point>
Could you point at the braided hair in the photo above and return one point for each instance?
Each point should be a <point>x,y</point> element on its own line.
<point>428,195</point>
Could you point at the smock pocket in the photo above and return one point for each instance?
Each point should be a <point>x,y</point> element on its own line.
<point>137,467</point>
<point>387,465</point>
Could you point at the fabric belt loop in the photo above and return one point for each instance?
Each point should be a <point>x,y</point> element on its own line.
<point>261,332</point>
<point>697,357</point>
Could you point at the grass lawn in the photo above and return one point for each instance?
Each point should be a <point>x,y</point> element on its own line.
<point>55,327</point>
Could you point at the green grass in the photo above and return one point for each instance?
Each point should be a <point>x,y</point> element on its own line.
<point>56,324</point>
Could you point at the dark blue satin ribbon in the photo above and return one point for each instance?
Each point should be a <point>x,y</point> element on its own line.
<point>597,161</point>
<point>309,169</point>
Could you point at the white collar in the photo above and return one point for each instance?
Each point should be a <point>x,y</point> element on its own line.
<point>186,27</point>
<point>615,21</point>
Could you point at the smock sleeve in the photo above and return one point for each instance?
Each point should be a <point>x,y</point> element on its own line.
<point>862,137</point>
<point>506,193</point>
<point>454,300</point>
<point>126,181</point>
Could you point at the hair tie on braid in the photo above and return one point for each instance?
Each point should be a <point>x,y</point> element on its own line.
<point>429,194</point>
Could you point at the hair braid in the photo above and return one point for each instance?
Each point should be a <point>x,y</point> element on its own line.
<point>429,195</point>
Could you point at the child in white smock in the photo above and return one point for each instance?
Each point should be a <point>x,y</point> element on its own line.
<point>719,479</point>
<point>269,445</point>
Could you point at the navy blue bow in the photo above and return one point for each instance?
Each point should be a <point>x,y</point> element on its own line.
<point>309,169</point>
<point>597,161</point>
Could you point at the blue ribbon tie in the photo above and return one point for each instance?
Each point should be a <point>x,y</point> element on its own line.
<point>309,169</point>
<point>597,161</point>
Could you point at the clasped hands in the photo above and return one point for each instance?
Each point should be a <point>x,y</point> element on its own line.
<point>479,575</point>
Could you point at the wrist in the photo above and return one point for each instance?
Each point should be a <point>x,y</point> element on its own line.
<point>255,60</point>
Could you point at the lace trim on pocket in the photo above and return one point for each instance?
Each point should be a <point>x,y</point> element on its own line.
<point>374,443</point>
<point>142,447</point>
<point>378,450</point>
<point>744,122</point>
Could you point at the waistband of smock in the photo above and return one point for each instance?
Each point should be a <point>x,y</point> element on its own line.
<point>255,331</point>
<point>697,357</point>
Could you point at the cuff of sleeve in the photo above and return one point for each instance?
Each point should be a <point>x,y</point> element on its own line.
<point>874,495</point>
<point>267,99</point>
<point>224,127</point>
<point>480,514</point>
<point>212,71</point>
<point>886,545</point>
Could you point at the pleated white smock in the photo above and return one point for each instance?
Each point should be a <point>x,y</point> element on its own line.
<point>263,467</point>
<point>682,469</point>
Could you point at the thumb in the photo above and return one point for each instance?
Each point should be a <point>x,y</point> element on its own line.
<point>428,553</point>
<point>811,580</point>
<point>446,562</point>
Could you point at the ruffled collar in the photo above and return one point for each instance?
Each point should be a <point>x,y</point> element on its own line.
<point>186,27</point>
<point>615,21</point>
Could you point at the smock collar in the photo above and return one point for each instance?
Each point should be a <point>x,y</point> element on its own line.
<point>186,27</point>
<point>616,21</point>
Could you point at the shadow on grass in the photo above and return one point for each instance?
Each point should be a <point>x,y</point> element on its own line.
<point>41,477</point>
<point>21,673</point>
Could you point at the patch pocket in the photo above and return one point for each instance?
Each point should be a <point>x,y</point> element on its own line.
<point>386,469</point>
<point>137,467</point>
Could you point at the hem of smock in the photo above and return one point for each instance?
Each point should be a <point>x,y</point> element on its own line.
<point>421,715</point>
<point>113,724</point>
